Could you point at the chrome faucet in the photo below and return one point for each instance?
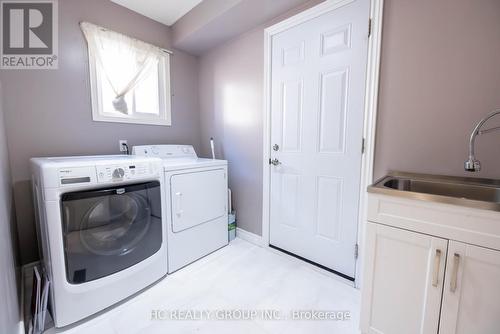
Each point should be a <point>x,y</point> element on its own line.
<point>472,164</point>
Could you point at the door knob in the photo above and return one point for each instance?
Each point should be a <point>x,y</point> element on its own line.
<point>274,162</point>
<point>276,147</point>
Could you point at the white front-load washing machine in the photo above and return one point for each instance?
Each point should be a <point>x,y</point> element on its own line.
<point>195,200</point>
<point>101,227</point>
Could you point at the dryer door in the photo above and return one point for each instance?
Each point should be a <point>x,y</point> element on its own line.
<point>197,198</point>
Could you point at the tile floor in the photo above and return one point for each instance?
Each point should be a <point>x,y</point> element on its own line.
<point>239,277</point>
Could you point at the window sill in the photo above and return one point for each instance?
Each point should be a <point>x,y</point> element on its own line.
<point>157,122</point>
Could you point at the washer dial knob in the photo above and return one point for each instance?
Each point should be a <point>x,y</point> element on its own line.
<point>118,173</point>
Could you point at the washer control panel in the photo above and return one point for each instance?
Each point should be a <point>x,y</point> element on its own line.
<point>76,175</point>
<point>123,172</point>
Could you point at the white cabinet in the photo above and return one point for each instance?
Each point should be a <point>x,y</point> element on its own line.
<point>471,296</point>
<point>419,279</point>
<point>403,281</point>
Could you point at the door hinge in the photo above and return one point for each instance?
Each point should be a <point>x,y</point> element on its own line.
<point>369,27</point>
<point>356,251</point>
<point>363,146</point>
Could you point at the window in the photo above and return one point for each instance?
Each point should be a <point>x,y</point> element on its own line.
<point>130,79</point>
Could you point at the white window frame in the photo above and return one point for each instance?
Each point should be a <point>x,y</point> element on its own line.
<point>164,93</point>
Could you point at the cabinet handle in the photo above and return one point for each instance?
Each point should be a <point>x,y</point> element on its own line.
<point>437,265</point>
<point>454,275</point>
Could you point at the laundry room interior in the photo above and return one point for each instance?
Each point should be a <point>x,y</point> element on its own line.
<point>249,166</point>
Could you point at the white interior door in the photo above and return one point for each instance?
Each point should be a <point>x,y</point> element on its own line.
<point>472,291</point>
<point>403,281</point>
<point>317,105</point>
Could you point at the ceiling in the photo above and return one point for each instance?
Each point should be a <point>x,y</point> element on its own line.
<point>213,22</point>
<point>201,25</point>
<point>164,11</point>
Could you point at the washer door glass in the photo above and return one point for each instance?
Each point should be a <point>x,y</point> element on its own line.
<point>108,230</point>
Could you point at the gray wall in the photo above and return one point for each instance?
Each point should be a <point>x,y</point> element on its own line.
<point>231,101</point>
<point>231,111</point>
<point>48,113</point>
<point>9,305</point>
<point>440,74</point>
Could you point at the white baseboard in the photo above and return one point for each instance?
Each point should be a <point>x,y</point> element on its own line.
<point>249,236</point>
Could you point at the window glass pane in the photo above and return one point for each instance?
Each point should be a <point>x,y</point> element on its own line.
<point>147,99</point>
<point>108,95</point>
<point>147,103</point>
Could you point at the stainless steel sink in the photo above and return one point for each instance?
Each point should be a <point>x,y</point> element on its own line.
<point>471,192</point>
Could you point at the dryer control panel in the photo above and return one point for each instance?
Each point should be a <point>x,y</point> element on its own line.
<point>165,151</point>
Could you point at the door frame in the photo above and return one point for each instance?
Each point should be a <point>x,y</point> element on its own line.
<point>370,116</point>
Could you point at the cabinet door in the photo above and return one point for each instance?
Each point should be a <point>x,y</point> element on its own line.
<point>403,281</point>
<point>471,297</point>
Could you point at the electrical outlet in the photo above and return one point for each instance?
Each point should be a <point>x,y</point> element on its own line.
<point>123,145</point>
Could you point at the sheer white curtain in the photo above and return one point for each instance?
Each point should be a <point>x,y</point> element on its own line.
<point>124,60</point>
